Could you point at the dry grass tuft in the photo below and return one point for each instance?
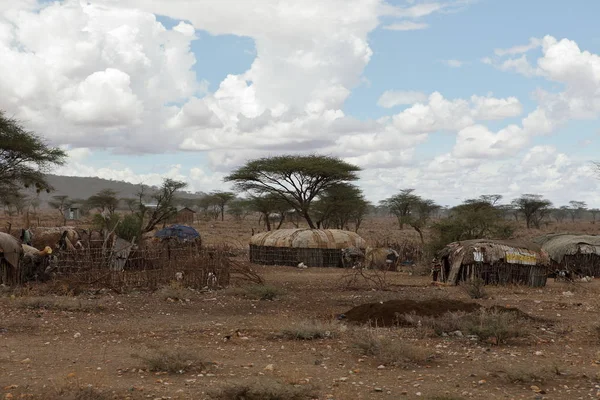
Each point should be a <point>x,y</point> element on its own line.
<point>173,362</point>
<point>174,292</point>
<point>74,391</point>
<point>266,390</point>
<point>389,352</point>
<point>263,292</point>
<point>311,330</point>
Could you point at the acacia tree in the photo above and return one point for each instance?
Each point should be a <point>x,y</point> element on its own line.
<point>221,199</point>
<point>339,205</point>
<point>534,207</point>
<point>269,204</point>
<point>422,212</point>
<point>24,157</point>
<point>164,208</point>
<point>560,214</point>
<point>594,212</point>
<point>401,205</point>
<point>104,200</point>
<point>576,209</point>
<point>61,203</point>
<point>298,180</point>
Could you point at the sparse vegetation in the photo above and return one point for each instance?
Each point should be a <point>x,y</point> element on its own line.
<point>263,292</point>
<point>173,361</point>
<point>311,330</point>
<point>388,351</point>
<point>475,288</point>
<point>59,304</point>
<point>266,390</point>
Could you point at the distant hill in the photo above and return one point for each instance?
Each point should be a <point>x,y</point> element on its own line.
<point>83,187</point>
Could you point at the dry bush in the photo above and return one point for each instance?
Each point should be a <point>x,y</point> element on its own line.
<point>387,351</point>
<point>242,271</point>
<point>174,292</point>
<point>361,278</point>
<point>475,288</point>
<point>76,393</point>
<point>519,374</point>
<point>311,330</point>
<point>494,324</point>
<point>263,292</point>
<point>173,361</point>
<point>445,397</point>
<point>265,390</point>
<point>58,304</point>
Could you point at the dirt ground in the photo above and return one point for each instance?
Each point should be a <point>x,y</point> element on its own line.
<point>48,353</point>
<point>55,347</point>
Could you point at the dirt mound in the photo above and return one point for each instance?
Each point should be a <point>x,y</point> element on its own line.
<point>387,313</point>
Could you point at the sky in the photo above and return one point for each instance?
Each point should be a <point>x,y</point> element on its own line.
<point>454,98</point>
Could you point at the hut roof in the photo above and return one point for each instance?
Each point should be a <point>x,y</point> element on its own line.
<point>309,239</point>
<point>562,244</point>
<point>491,251</point>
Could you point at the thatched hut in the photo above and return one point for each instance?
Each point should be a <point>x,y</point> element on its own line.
<point>313,247</point>
<point>494,261</point>
<point>576,253</point>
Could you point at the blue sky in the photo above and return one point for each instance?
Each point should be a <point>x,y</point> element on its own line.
<point>194,114</point>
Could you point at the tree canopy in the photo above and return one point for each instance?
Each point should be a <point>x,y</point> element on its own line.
<point>24,157</point>
<point>534,207</point>
<point>296,179</point>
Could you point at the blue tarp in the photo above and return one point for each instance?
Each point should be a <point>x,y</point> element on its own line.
<point>181,232</point>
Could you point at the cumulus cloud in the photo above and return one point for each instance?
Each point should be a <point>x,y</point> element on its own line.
<point>407,26</point>
<point>453,63</point>
<point>393,98</point>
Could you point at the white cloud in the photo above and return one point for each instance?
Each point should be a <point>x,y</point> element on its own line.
<point>453,63</point>
<point>490,108</point>
<point>406,26</point>
<point>393,98</point>
<point>534,43</point>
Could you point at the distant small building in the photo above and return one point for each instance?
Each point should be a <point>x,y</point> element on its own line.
<point>184,215</point>
<point>72,213</point>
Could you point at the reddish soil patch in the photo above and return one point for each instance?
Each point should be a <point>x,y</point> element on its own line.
<point>387,313</point>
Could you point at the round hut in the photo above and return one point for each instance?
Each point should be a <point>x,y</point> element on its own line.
<point>579,254</point>
<point>494,261</point>
<point>313,247</point>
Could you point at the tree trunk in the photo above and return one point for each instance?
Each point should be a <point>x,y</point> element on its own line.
<point>223,213</point>
<point>309,220</point>
<point>281,219</point>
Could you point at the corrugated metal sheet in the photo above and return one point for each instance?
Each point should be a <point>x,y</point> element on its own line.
<point>309,239</point>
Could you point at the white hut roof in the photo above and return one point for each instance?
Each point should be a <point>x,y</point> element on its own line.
<point>309,239</point>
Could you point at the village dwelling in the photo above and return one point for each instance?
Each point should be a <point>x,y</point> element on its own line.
<point>184,215</point>
<point>579,254</point>
<point>311,247</point>
<point>498,262</point>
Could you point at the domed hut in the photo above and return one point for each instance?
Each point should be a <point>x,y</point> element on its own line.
<point>313,247</point>
<point>579,254</point>
<point>494,261</point>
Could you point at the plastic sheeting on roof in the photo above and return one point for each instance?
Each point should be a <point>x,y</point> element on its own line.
<point>181,232</point>
<point>309,239</point>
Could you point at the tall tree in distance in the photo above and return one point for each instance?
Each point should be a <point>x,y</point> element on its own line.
<point>61,203</point>
<point>339,205</point>
<point>24,157</point>
<point>297,180</point>
<point>105,201</point>
<point>534,207</point>
<point>576,209</point>
<point>401,205</point>
<point>164,207</point>
<point>221,199</point>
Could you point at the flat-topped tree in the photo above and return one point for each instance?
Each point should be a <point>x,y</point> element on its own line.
<point>295,179</point>
<point>24,157</point>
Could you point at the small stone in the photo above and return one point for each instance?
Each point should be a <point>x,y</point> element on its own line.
<point>535,388</point>
<point>378,389</point>
<point>77,335</point>
<point>26,361</point>
<point>381,366</point>
<point>419,394</point>
<point>343,379</point>
<point>269,367</point>
<point>538,353</point>
<point>481,382</point>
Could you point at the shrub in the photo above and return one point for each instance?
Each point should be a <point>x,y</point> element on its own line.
<point>173,362</point>
<point>310,330</point>
<point>265,390</point>
<point>475,288</point>
<point>264,292</point>
<point>388,351</point>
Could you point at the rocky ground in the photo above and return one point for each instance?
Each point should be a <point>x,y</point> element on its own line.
<point>182,344</point>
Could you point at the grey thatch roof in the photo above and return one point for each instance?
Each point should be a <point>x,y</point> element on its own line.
<point>309,239</point>
<point>559,245</point>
